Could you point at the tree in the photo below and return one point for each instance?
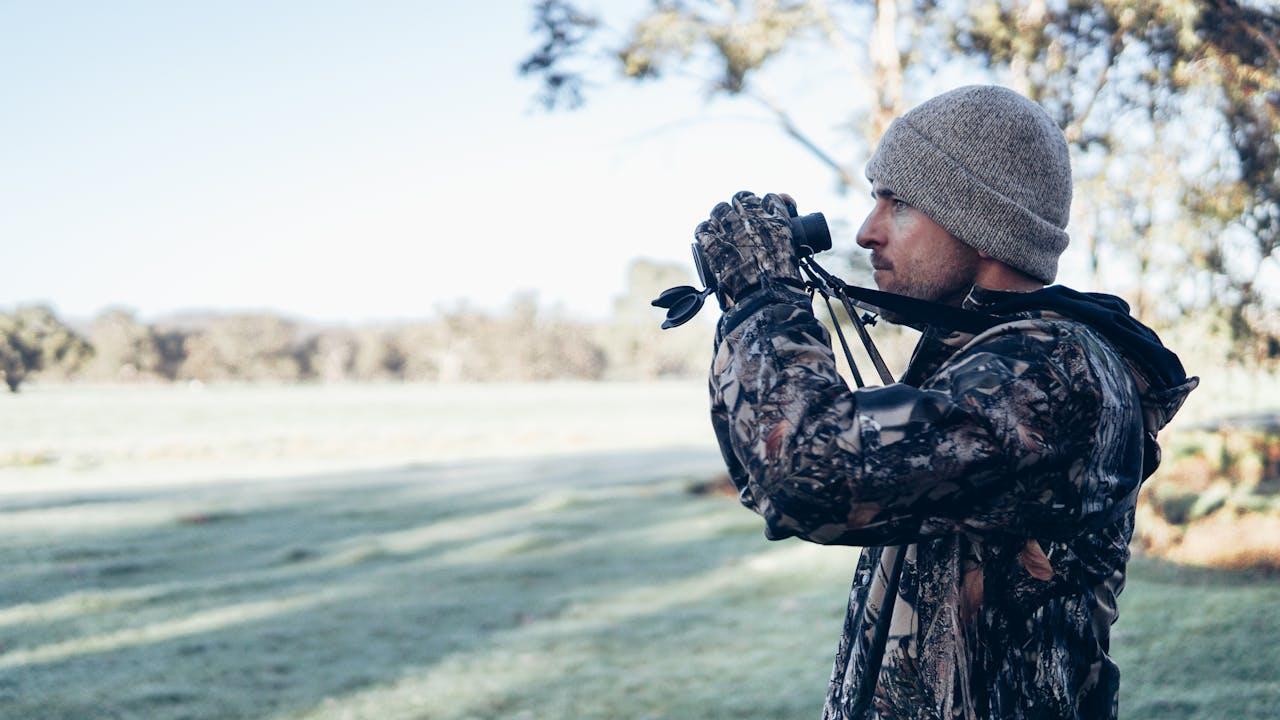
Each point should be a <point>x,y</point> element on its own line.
<point>124,349</point>
<point>1171,109</point>
<point>243,347</point>
<point>523,343</point>
<point>634,345</point>
<point>377,356</point>
<point>34,340</point>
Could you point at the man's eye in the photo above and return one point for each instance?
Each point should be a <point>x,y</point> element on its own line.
<point>899,205</point>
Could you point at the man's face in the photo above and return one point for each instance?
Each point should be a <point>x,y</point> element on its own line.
<point>913,255</point>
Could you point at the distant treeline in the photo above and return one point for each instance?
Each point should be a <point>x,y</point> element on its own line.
<point>522,342</point>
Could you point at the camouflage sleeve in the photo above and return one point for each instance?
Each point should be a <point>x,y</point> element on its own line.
<point>987,444</point>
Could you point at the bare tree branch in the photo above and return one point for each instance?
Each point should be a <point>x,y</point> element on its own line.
<point>844,177</point>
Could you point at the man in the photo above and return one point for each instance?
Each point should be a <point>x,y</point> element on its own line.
<point>1004,464</point>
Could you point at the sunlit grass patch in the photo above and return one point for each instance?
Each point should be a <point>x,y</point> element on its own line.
<point>193,624</point>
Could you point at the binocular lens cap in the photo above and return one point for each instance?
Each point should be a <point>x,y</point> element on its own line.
<point>684,310</point>
<point>671,296</point>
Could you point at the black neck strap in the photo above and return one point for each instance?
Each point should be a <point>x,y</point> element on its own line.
<point>907,310</point>
<point>913,311</point>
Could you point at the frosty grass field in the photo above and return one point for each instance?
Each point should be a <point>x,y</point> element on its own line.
<point>443,553</point>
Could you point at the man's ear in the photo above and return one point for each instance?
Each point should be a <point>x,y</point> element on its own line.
<point>983,255</point>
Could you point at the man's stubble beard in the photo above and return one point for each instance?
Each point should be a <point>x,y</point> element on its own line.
<point>948,281</point>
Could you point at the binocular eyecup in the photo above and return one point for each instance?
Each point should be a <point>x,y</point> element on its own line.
<point>810,234</point>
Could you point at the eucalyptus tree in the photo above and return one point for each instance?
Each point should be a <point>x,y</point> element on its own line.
<point>1171,109</point>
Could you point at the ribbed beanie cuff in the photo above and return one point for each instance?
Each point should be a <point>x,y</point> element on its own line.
<point>1020,154</point>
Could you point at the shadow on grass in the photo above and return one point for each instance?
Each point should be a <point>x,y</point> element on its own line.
<point>356,581</point>
<point>190,537</point>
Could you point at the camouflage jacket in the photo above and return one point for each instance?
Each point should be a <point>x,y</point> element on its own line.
<point>1005,465</point>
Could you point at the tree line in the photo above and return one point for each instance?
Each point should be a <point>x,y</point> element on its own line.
<point>524,341</point>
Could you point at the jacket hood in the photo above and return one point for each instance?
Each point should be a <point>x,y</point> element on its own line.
<point>1162,382</point>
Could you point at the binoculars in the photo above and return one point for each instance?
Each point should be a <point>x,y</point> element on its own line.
<point>809,235</point>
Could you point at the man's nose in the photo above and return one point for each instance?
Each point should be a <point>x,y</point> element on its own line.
<point>869,235</point>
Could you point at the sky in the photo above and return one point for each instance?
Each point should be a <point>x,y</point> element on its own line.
<point>353,162</point>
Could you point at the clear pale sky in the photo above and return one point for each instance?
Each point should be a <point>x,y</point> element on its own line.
<point>353,161</point>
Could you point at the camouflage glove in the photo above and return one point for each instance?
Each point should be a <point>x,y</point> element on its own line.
<point>747,242</point>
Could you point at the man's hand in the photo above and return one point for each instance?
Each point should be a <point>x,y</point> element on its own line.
<point>747,242</point>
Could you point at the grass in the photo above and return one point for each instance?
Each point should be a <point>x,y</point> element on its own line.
<point>585,583</point>
<point>1198,643</point>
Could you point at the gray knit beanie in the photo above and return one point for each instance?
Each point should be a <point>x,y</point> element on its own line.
<point>988,165</point>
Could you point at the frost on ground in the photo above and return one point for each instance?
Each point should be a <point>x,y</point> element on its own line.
<point>450,553</point>
<point>77,437</point>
